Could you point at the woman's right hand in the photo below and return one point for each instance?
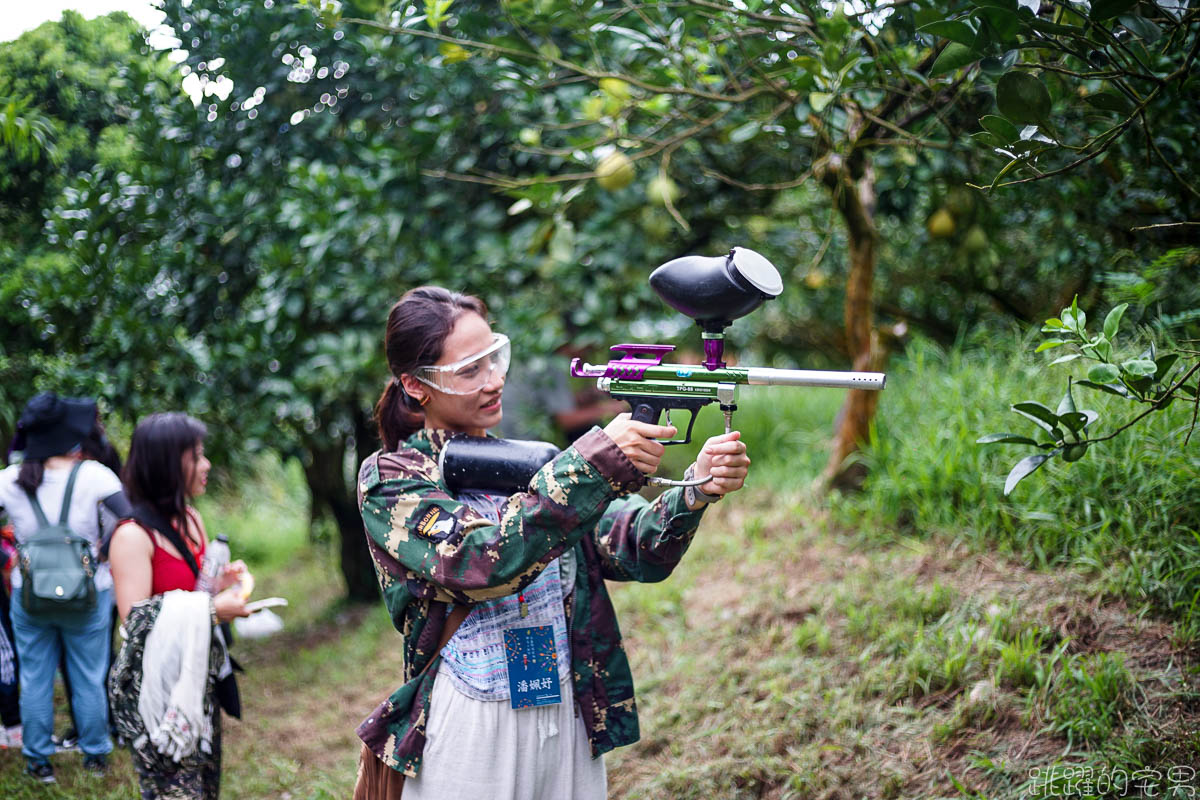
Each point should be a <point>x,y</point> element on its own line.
<point>229,604</point>
<point>636,440</point>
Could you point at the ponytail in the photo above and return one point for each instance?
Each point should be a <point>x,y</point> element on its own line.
<point>30,476</point>
<point>398,415</point>
<point>417,327</point>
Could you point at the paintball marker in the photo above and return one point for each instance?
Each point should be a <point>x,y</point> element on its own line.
<point>713,291</point>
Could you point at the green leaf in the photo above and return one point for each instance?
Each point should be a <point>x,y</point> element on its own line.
<point>1054,323</point>
<point>1024,468</point>
<point>1138,383</point>
<point>1022,98</point>
<point>1002,5</point>
<point>1000,128</point>
<point>1067,404</point>
<point>1065,359</point>
<point>1142,367</point>
<point>746,132</point>
<point>1005,438</point>
<point>1109,101</point>
<point>1110,388</point>
<point>1075,420</point>
<point>1049,343</point>
<point>953,57</point>
<point>1164,365</point>
<point>1053,28</point>
<point>988,139</point>
<point>952,29</point>
<point>1046,419</point>
<point>818,101</point>
<point>1104,373</point>
<point>437,11</point>
<point>1142,28</point>
<point>1003,22</point>
<point>1107,9</point>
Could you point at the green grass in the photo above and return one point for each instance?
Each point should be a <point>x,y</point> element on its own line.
<point>263,508</point>
<point>1125,514</point>
<point>806,664</point>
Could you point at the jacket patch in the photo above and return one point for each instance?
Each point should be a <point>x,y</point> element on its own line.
<point>435,524</point>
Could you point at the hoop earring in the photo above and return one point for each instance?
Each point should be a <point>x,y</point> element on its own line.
<point>424,401</point>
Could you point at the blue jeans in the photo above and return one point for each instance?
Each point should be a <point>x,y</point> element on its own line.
<point>86,643</point>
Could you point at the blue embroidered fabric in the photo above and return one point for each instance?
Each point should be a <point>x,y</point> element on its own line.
<point>474,658</point>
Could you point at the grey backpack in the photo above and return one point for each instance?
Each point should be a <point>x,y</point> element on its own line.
<point>57,568</point>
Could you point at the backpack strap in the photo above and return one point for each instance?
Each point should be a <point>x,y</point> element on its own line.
<point>453,620</point>
<point>37,510</point>
<point>66,503</point>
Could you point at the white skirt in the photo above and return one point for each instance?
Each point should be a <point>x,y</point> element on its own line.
<point>486,750</point>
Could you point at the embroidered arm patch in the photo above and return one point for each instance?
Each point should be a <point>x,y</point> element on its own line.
<point>436,524</point>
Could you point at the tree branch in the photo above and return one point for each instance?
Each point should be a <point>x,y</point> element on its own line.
<point>579,69</point>
<point>757,187</point>
<point>1157,405</point>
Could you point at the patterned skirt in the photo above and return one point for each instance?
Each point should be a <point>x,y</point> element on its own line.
<point>196,777</point>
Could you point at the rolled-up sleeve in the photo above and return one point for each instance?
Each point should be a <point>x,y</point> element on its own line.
<point>640,540</point>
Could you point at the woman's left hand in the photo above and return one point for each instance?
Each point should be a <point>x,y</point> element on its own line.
<point>724,458</point>
<point>231,574</point>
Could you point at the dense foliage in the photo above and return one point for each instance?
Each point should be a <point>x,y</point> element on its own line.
<point>223,228</point>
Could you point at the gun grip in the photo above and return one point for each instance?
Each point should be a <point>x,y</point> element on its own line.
<point>650,412</point>
<point>644,412</point>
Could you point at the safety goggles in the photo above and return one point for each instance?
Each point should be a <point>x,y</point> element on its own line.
<point>471,373</point>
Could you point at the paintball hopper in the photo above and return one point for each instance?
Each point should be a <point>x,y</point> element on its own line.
<point>716,290</point>
<point>504,466</point>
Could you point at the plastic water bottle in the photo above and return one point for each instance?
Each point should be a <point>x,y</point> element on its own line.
<point>216,556</point>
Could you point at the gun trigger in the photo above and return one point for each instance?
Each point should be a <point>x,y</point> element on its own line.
<point>687,437</point>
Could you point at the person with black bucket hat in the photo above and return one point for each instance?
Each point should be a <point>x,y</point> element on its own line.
<point>50,434</point>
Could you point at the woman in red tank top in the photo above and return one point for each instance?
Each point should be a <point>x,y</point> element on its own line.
<point>168,571</point>
<point>166,468</point>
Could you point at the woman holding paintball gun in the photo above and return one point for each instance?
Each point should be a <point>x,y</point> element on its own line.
<point>516,682</point>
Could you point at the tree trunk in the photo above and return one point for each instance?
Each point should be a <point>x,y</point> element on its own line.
<point>854,198</point>
<point>330,495</point>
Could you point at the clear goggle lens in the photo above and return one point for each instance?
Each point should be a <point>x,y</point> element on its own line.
<point>471,373</point>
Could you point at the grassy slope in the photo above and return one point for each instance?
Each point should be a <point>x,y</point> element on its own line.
<point>785,658</point>
<point>886,650</point>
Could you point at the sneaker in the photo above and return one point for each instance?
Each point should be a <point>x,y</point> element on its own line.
<point>67,742</point>
<point>40,770</point>
<point>96,765</point>
<point>11,737</point>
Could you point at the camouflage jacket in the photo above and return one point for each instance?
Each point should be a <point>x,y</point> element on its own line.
<point>431,551</point>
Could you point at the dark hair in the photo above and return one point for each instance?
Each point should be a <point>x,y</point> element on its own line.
<point>31,473</point>
<point>154,472</point>
<point>417,327</point>
<point>98,448</point>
